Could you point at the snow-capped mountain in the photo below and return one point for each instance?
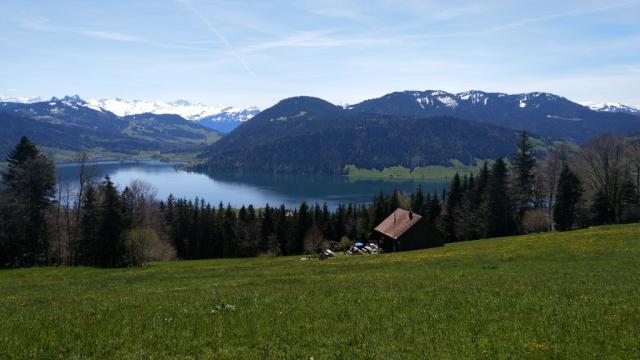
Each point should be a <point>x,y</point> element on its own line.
<point>229,118</point>
<point>611,107</point>
<point>220,118</point>
<point>537,112</point>
<point>183,108</point>
<point>433,100</point>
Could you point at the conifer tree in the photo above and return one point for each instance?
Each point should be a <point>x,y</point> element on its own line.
<point>291,247</point>
<point>500,219</point>
<point>229,232</point>
<point>242,214</point>
<point>523,166</point>
<point>465,184</point>
<point>273,245</point>
<point>267,228</point>
<point>209,230</point>
<point>110,226</point>
<point>567,199</point>
<point>454,197</point>
<point>251,213</point>
<point>378,209</point>
<point>194,230</point>
<point>281,229</point>
<point>87,247</point>
<point>468,214</point>
<point>393,202</point>
<point>24,151</point>
<point>417,200</point>
<point>30,182</point>
<point>303,221</point>
<point>479,204</point>
<point>340,222</point>
<point>435,208</point>
<point>481,184</point>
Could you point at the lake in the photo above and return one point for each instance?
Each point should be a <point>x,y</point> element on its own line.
<point>247,188</point>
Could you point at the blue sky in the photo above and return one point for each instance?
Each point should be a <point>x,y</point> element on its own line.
<point>258,52</point>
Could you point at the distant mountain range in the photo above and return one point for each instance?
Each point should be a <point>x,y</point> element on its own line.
<point>305,134</point>
<point>69,125</point>
<point>612,107</point>
<point>540,113</point>
<point>225,119</point>
<point>220,118</point>
<point>409,128</point>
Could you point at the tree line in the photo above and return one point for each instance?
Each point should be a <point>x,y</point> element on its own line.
<point>569,188</point>
<point>44,222</point>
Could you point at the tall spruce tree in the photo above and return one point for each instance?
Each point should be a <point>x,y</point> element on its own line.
<point>393,202</point>
<point>480,185</point>
<point>281,228</point>
<point>500,217</point>
<point>230,232</point>
<point>378,208</point>
<point>208,225</point>
<point>24,151</point>
<point>417,200</point>
<point>30,182</point>
<point>567,199</point>
<point>303,221</point>
<point>435,209</point>
<point>523,166</point>
<point>453,200</point>
<point>87,248</point>
<point>267,229</point>
<point>468,224</point>
<point>111,224</point>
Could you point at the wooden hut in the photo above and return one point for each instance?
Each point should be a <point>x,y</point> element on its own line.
<point>405,230</point>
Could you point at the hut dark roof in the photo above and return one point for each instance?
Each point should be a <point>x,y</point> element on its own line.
<point>398,223</point>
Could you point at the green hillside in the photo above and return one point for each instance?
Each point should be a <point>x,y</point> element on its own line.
<point>556,295</point>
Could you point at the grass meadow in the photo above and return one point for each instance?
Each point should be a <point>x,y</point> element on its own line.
<point>554,295</point>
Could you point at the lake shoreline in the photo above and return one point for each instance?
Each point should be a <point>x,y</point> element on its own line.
<point>248,188</point>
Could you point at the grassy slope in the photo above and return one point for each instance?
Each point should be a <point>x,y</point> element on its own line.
<point>567,295</point>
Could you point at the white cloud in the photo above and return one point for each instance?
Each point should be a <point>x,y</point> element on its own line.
<point>109,35</point>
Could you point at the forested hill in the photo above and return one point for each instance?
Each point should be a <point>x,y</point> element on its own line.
<point>310,135</point>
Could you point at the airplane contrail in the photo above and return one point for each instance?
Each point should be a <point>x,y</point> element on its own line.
<point>219,35</point>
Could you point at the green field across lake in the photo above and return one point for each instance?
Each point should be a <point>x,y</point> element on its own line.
<point>431,172</point>
<point>552,295</point>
